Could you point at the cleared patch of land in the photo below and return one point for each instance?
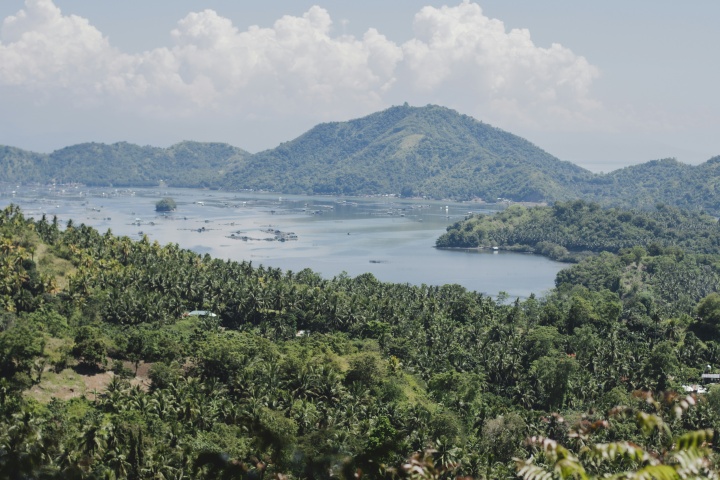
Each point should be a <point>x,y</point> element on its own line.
<point>70,383</point>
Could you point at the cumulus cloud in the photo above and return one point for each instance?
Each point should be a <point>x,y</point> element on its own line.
<point>297,61</point>
<point>459,51</point>
<point>458,57</point>
<point>42,49</point>
<point>211,65</point>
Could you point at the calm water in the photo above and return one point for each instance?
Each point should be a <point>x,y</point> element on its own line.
<point>390,238</point>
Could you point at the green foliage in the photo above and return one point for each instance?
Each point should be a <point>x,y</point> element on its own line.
<point>708,312</point>
<point>664,181</point>
<point>666,285</point>
<point>165,204</point>
<point>366,368</point>
<point>598,308</point>
<point>568,231</point>
<point>386,370</point>
<point>453,388</point>
<point>602,271</point>
<point>503,436</point>
<point>163,375</point>
<point>91,346</point>
<point>275,431</point>
<point>222,355</point>
<point>187,164</point>
<point>661,365</point>
<point>553,376</point>
<point>20,345</point>
<point>428,151</point>
<point>543,340</point>
<point>687,456</point>
<point>381,438</point>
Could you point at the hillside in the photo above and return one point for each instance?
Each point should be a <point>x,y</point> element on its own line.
<point>414,151</point>
<point>570,231</point>
<point>432,151</point>
<point>660,181</point>
<point>187,164</point>
<point>299,377</point>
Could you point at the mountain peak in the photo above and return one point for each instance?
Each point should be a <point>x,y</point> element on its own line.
<point>430,151</point>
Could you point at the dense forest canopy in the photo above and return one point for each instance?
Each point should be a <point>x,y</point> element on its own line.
<point>427,151</point>
<point>303,377</point>
<point>187,164</point>
<point>571,230</point>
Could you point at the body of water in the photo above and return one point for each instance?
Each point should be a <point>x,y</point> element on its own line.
<point>391,238</point>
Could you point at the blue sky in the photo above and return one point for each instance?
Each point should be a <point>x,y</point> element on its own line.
<point>601,84</point>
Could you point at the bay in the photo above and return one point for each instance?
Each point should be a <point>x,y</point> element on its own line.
<point>389,237</point>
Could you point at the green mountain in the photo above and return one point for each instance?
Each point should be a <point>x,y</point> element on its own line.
<point>660,181</point>
<point>430,150</point>
<point>187,164</point>
<point>21,166</point>
<point>414,151</point>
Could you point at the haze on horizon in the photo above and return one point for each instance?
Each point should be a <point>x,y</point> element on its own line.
<point>603,86</point>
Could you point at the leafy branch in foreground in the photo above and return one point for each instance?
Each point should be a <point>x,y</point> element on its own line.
<point>686,457</point>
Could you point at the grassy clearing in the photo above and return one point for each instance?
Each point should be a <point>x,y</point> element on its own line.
<point>53,266</point>
<point>64,385</point>
<point>57,349</point>
<point>185,326</point>
<point>414,390</point>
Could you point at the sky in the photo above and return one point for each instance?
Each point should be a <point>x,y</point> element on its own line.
<point>601,84</point>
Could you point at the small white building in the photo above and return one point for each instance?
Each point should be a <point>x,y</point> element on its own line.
<point>199,313</point>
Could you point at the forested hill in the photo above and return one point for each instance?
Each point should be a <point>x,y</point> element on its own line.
<point>299,377</point>
<point>570,230</point>
<point>186,164</point>
<point>660,181</point>
<point>414,151</point>
<point>432,151</point>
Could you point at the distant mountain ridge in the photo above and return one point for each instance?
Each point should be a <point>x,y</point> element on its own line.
<point>414,151</point>
<point>186,164</point>
<point>660,181</point>
<point>430,151</point>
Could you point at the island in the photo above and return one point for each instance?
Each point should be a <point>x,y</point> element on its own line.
<point>166,204</point>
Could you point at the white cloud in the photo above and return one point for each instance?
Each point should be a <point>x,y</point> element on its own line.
<point>458,51</point>
<point>212,65</point>
<point>459,58</point>
<point>41,48</point>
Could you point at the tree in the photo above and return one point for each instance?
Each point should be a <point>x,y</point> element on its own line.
<point>503,436</point>
<point>381,439</point>
<point>687,456</point>
<point>19,346</point>
<point>90,346</point>
<point>552,375</point>
<point>367,369</point>
<point>660,366</point>
<point>708,312</point>
<point>167,204</point>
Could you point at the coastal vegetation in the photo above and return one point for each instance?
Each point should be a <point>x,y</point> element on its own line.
<point>569,231</point>
<point>296,376</point>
